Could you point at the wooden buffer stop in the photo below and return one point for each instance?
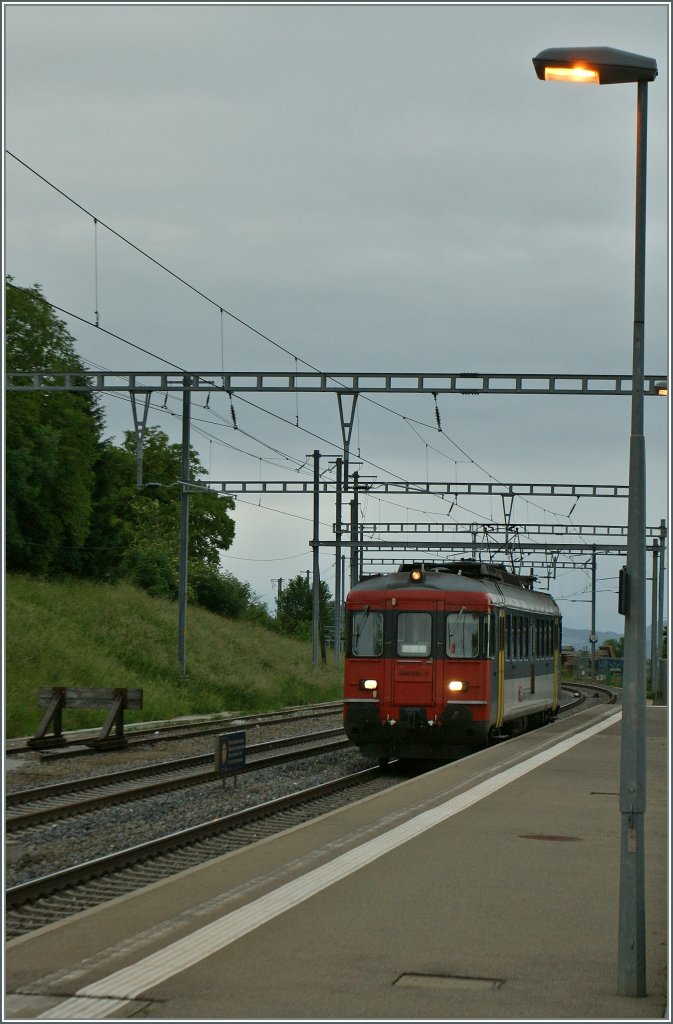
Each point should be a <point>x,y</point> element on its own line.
<point>56,698</point>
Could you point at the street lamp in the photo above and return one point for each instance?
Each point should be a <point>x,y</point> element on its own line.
<point>603,65</point>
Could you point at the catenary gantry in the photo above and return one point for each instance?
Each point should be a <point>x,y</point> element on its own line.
<point>346,383</point>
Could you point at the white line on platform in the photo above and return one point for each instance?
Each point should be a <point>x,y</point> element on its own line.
<point>97,1000</point>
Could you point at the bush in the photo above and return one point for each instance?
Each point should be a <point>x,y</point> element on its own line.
<point>219,592</point>
<point>151,569</point>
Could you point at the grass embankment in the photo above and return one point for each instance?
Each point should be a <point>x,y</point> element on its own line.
<point>83,634</point>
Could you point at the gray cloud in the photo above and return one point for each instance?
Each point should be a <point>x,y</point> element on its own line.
<point>374,188</point>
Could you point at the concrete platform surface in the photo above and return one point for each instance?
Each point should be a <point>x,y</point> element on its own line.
<point>487,889</point>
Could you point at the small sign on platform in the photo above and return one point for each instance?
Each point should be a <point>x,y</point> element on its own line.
<point>229,754</point>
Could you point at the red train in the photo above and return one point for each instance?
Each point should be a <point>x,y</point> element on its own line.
<point>444,658</point>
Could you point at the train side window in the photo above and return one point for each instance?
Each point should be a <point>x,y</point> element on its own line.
<point>414,634</point>
<point>366,631</point>
<point>525,651</point>
<point>515,637</point>
<point>508,636</point>
<point>462,634</point>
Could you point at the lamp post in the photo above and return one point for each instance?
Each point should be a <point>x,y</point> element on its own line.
<point>603,65</point>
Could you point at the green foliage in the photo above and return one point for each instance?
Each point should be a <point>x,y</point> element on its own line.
<point>36,338</point>
<point>295,607</point>
<point>222,593</point>
<point>112,523</point>
<point>93,634</point>
<point>73,506</point>
<point>153,569</point>
<point>51,442</point>
<point>151,559</point>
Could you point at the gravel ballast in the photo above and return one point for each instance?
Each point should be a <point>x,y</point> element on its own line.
<point>41,851</point>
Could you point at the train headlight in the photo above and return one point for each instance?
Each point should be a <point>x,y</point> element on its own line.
<point>456,686</point>
<point>416,575</point>
<point>368,684</point>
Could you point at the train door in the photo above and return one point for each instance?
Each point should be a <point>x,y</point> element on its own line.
<point>556,654</point>
<point>500,708</point>
<point>413,666</point>
<point>532,651</point>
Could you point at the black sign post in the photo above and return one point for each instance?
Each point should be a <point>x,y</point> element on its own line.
<point>229,754</point>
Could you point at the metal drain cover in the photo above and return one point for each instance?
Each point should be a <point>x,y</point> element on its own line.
<point>554,839</point>
<point>448,981</point>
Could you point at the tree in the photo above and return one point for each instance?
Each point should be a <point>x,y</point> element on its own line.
<point>295,608</point>
<point>222,593</point>
<point>51,443</point>
<point>72,502</point>
<point>112,525</point>
<point>151,559</point>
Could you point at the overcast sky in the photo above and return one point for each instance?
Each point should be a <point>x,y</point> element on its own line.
<point>372,188</point>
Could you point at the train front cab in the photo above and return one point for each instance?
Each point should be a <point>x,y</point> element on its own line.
<point>419,673</point>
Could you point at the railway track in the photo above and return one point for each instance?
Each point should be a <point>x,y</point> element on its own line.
<point>611,694</point>
<point>51,898</point>
<point>159,732</point>
<point>40,901</point>
<point>30,807</point>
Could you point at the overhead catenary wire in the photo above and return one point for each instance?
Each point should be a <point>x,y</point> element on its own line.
<point>248,326</point>
<point>222,310</point>
<point>259,408</point>
<point>162,266</point>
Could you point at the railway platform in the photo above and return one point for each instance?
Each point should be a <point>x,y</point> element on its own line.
<point>486,889</point>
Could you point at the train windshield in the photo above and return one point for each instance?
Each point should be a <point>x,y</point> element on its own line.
<point>462,634</point>
<point>414,634</point>
<point>367,634</point>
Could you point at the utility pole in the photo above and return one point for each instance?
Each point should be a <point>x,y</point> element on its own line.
<point>279,582</point>
<point>184,528</point>
<point>633,780</point>
<point>337,565</point>
<point>654,620</point>
<point>139,427</point>
<point>661,696</point>
<point>354,532</point>
<point>315,544</point>
<point>592,638</point>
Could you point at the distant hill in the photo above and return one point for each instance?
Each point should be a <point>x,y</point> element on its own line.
<point>579,638</point>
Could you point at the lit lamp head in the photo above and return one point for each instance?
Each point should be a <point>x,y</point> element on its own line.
<point>597,65</point>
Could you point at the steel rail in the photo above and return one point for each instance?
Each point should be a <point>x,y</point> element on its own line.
<point>28,906</point>
<point>139,734</point>
<point>189,773</point>
<point>68,878</point>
